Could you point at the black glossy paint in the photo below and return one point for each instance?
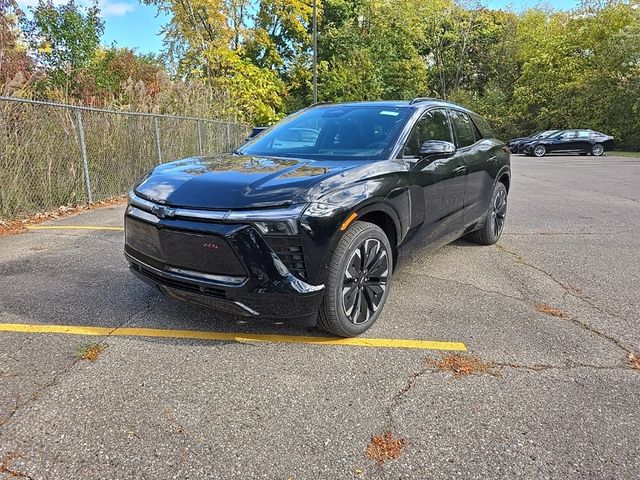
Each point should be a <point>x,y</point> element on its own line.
<point>515,144</point>
<point>568,141</point>
<point>420,201</point>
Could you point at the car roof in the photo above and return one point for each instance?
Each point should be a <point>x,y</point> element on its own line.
<point>415,103</point>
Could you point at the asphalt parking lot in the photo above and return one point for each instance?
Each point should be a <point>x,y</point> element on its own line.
<point>553,310</point>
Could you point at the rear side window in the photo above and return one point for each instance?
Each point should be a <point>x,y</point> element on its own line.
<point>483,126</point>
<point>434,125</point>
<point>466,132</point>
<point>584,134</point>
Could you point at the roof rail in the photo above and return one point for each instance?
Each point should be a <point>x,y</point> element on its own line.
<point>420,99</point>
<point>320,103</point>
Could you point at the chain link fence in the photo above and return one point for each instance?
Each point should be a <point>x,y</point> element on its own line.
<point>56,154</point>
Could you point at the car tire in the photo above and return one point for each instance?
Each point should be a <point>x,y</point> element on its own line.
<point>539,151</point>
<point>495,218</point>
<point>349,306</point>
<point>597,150</point>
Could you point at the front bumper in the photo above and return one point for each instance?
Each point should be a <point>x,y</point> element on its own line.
<point>229,267</point>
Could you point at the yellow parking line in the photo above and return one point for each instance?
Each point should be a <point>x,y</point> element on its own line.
<point>72,227</point>
<point>232,336</point>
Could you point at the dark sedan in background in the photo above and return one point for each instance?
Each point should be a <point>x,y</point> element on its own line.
<point>584,142</point>
<point>516,143</point>
<point>307,220</point>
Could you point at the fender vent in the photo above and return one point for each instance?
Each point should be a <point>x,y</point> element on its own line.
<point>289,250</point>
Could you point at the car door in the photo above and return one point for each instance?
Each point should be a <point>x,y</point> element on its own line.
<point>481,159</point>
<point>566,142</point>
<point>583,141</point>
<point>441,182</point>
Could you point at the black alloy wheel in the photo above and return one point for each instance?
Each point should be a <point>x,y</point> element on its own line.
<point>358,281</point>
<point>493,226</point>
<point>499,212</point>
<point>365,281</point>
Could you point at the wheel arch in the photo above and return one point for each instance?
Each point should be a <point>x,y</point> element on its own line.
<point>383,216</point>
<point>505,179</point>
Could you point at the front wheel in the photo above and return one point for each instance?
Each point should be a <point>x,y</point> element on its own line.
<point>358,281</point>
<point>597,150</point>
<point>494,221</point>
<point>539,150</point>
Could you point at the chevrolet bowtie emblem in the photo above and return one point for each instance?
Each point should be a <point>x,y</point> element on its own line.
<point>163,212</point>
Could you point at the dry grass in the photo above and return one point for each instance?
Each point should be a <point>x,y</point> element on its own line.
<point>551,311</point>
<point>90,352</point>
<point>634,360</point>
<point>463,365</point>
<point>12,227</point>
<point>385,447</point>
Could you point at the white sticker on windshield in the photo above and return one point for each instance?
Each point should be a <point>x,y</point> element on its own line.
<point>388,112</point>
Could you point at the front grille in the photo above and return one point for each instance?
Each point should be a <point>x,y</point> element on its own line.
<point>200,252</point>
<point>289,250</point>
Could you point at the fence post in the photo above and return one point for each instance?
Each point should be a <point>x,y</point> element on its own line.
<point>85,160</point>
<point>199,123</point>
<point>157,135</point>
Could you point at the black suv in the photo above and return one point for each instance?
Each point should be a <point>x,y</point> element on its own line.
<point>307,220</point>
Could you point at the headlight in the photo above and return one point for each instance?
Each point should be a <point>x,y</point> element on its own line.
<point>279,221</point>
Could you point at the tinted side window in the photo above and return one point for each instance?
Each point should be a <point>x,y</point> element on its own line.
<point>434,125</point>
<point>464,128</point>
<point>584,134</point>
<point>482,125</point>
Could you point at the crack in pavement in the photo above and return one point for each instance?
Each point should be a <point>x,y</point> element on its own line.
<point>428,367</point>
<point>402,393</point>
<point>56,379</point>
<point>539,367</point>
<point>146,307</point>
<point>471,285</point>
<point>571,292</point>
<point>12,472</point>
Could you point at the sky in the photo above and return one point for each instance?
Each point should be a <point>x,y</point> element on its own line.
<point>129,23</point>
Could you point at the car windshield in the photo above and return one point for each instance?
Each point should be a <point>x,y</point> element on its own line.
<point>364,132</point>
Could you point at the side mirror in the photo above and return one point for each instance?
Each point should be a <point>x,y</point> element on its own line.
<point>435,149</point>
<point>255,131</point>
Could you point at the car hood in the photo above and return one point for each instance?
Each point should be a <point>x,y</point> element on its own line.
<point>231,181</point>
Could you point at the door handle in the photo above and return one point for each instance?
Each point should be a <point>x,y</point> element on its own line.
<point>493,159</point>
<point>460,170</point>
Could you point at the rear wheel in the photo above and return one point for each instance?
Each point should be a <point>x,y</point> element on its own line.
<point>539,150</point>
<point>597,149</point>
<point>494,221</point>
<point>358,281</point>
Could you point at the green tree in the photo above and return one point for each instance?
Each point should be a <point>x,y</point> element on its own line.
<point>64,39</point>
<point>210,39</point>
<point>14,60</point>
